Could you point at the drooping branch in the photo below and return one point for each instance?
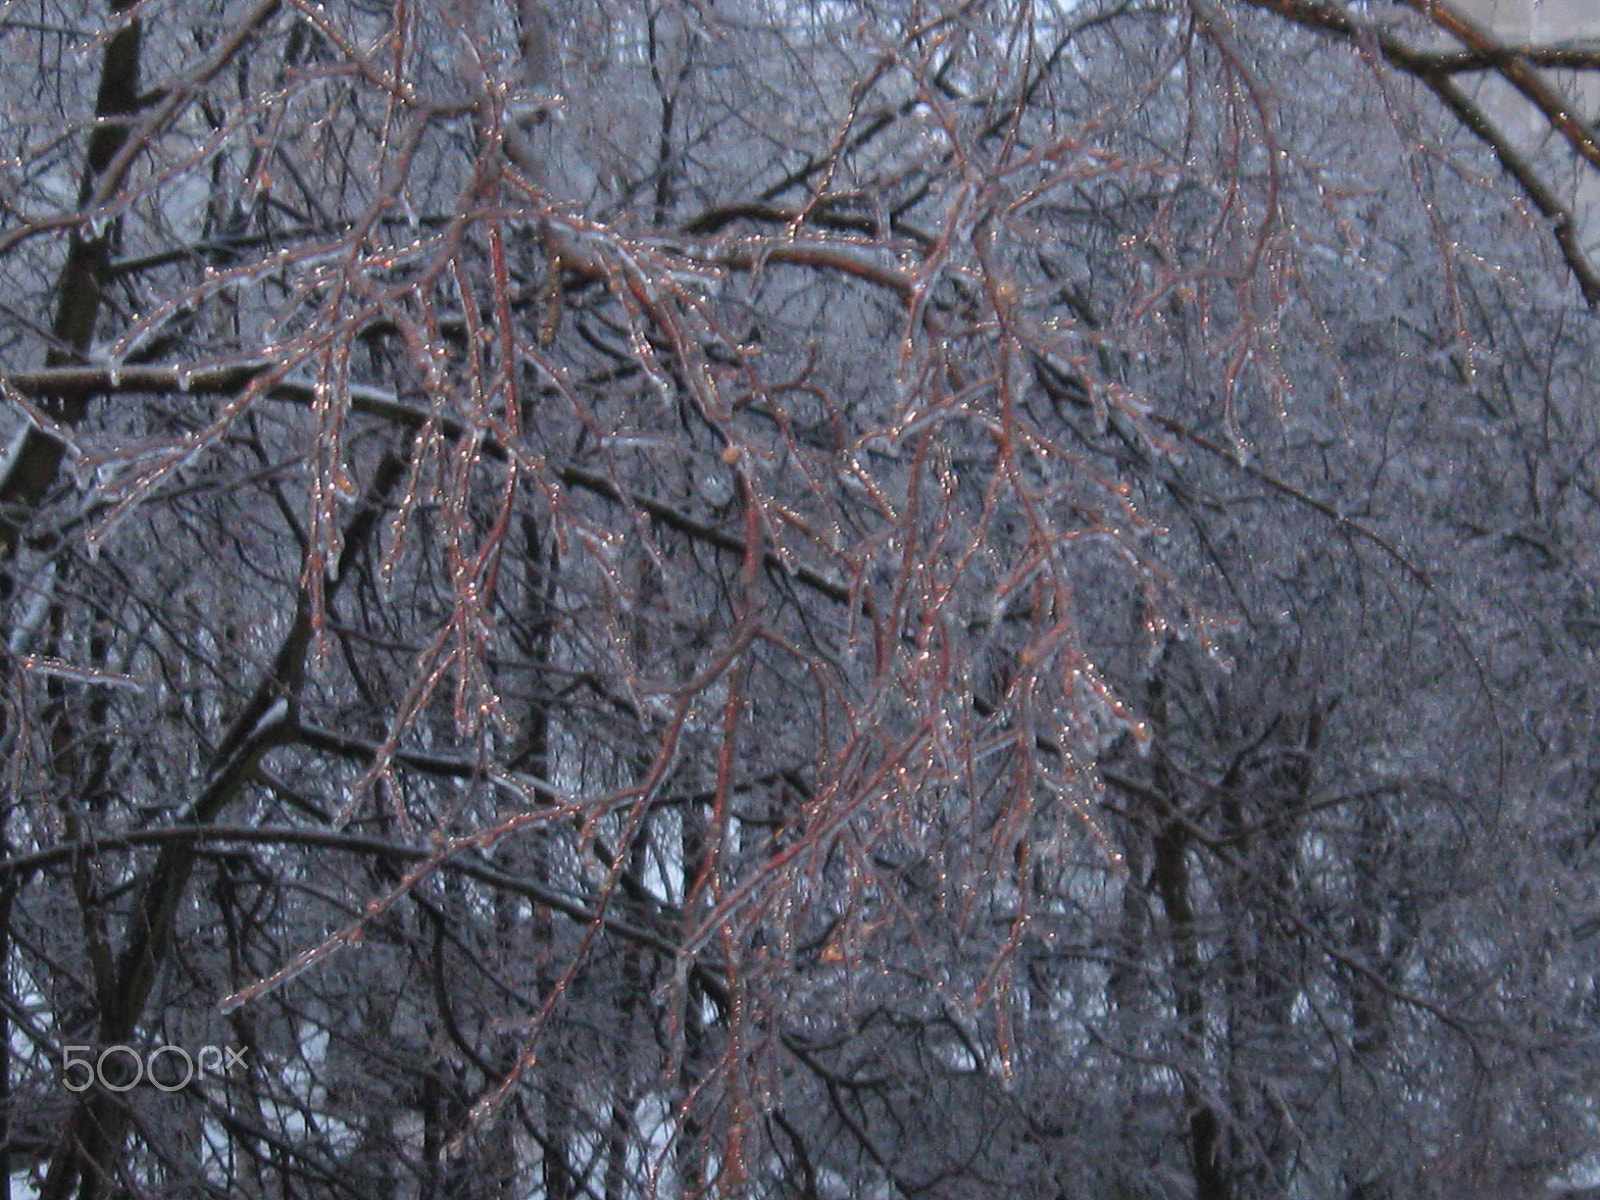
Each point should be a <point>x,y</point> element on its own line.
<point>191,835</point>
<point>384,405</point>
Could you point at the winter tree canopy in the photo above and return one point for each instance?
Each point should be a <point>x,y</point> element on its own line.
<point>809,599</point>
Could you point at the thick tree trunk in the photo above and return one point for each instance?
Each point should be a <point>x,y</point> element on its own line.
<point>1169,877</point>
<point>33,469</point>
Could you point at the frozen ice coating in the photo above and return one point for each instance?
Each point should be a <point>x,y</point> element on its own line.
<point>658,600</point>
